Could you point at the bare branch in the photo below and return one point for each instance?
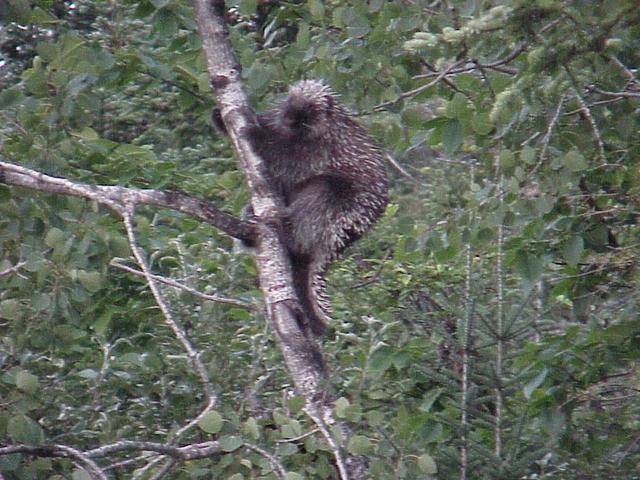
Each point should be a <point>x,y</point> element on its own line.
<point>613,94</point>
<point>81,459</point>
<point>626,71</point>
<point>278,468</point>
<point>192,353</point>
<point>12,269</point>
<point>162,471</point>
<point>116,262</point>
<point>475,65</point>
<point>412,93</point>
<point>184,453</point>
<point>595,131</point>
<point>115,197</point>
<point>399,168</point>
<point>547,136</point>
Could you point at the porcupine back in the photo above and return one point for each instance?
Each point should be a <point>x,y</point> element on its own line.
<point>332,178</point>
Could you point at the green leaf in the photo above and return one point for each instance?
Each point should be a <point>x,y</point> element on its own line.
<point>88,134</point>
<point>165,22</point>
<point>353,413</point>
<point>507,159</point>
<point>381,360</point>
<point>572,250</point>
<point>40,301</point>
<point>79,474</point>
<point>574,161</point>
<point>452,136</point>
<point>529,266</point>
<point>534,383</point>
<point>341,406</point>
<point>88,373</point>
<point>211,422</point>
<point>54,237</point>
<point>10,97</point>
<point>293,476</point>
<point>27,382</point>
<point>296,403</point>
<point>413,117</point>
<point>248,7</point>
<point>316,8</point>
<point>251,428</point>
<point>375,418</point>
<point>291,429</point>
<point>360,445</point>
<point>229,443</point>
<point>431,396</point>
<point>356,23</point>
<point>427,464</point>
<point>92,281</point>
<point>10,309</point>
<point>458,107</point>
<point>23,429</point>
<point>528,155</point>
<point>482,124</point>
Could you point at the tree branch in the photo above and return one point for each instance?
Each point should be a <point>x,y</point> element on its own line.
<point>116,262</point>
<point>188,452</point>
<point>81,459</point>
<point>14,268</point>
<point>116,197</point>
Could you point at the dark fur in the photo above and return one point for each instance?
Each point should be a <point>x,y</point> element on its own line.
<point>331,176</point>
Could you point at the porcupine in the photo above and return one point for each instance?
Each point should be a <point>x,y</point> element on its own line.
<point>331,176</point>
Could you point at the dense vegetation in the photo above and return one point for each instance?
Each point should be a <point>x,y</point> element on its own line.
<point>486,329</point>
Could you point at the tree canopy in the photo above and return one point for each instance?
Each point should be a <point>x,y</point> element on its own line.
<point>487,328</point>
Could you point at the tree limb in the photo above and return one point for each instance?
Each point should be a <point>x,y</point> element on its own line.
<point>117,262</point>
<point>116,197</point>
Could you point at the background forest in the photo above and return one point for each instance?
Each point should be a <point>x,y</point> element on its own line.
<point>487,328</point>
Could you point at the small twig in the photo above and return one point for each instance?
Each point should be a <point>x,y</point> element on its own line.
<point>547,137</point>
<point>210,404</point>
<point>489,66</point>
<point>299,437</point>
<point>12,269</point>
<point>595,132</point>
<point>628,74</point>
<point>115,262</point>
<point>586,113</point>
<point>447,81</point>
<point>126,463</point>
<point>594,104</point>
<point>316,416</point>
<point>412,93</point>
<point>255,383</point>
<point>276,465</point>
<point>399,168</point>
<point>607,93</point>
<point>152,461</point>
<point>376,275</point>
<point>163,470</point>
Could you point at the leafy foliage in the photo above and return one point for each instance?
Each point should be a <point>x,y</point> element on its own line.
<point>499,289</point>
